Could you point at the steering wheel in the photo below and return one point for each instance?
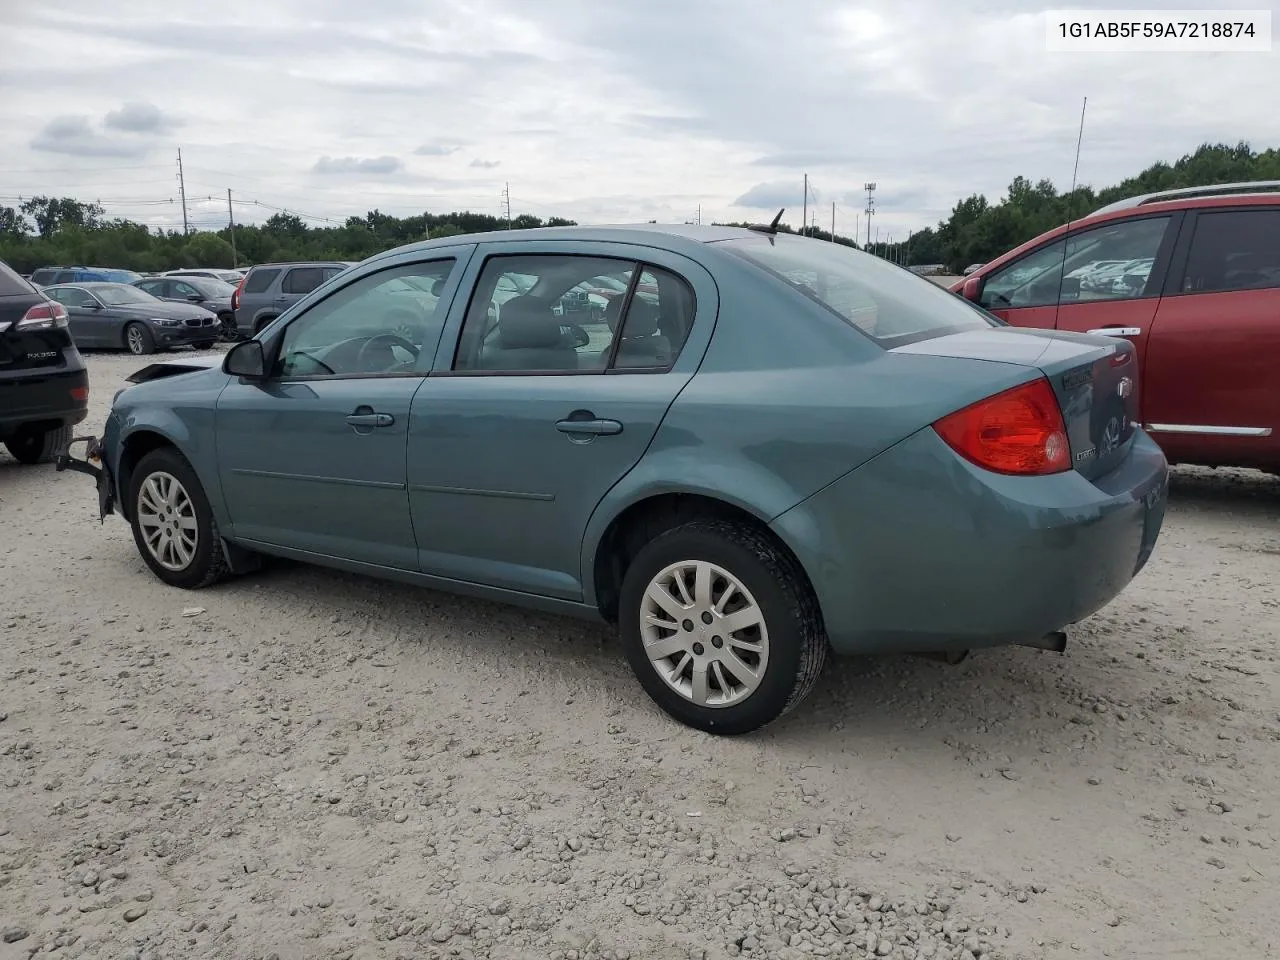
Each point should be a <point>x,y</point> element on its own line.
<point>386,341</point>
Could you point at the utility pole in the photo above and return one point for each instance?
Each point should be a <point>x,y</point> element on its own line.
<point>182,189</point>
<point>833,221</point>
<point>506,197</point>
<point>804,218</point>
<point>232,216</point>
<point>699,221</point>
<point>857,220</point>
<point>870,187</point>
<point>877,246</point>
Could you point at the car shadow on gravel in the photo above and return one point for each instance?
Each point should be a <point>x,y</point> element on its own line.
<point>1239,491</point>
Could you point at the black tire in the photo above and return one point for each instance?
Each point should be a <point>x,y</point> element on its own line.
<point>38,446</point>
<point>138,339</point>
<point>227,331</point>
<point>208,564</point>
<point>260,324</point>
<point>797,641</point>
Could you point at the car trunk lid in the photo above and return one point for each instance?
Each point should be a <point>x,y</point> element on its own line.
<point>1095,380</point>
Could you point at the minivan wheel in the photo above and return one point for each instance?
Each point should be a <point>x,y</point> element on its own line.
<point>32,446</point>
<point>172,523</point>
<point>720,626</point>
<point>138,339</point>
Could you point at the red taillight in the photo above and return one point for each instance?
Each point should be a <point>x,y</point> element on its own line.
<point>235,296</point>
<point>79,393</point>
<point>1019,431</point>
<point>44,316</point>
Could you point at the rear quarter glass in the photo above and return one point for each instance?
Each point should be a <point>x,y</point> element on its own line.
<point>881,300</point>
<point>260,281</point>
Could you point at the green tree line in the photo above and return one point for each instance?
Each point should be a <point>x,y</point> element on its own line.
<point>46,231</point>
<point>60,230</point>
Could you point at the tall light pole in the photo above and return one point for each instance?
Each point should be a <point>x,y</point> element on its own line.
<point>804,217</point>
<point>870,187</point>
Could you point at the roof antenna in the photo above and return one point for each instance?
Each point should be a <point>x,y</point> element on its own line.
<point>1066,234</point>
<point>772,228</point>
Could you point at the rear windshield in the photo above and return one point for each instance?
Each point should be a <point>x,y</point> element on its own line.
<point>888,303</point>
<point>12,284</point>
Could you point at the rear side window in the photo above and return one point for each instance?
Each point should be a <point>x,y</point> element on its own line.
<point>303,279</point>
<point>1234,250</point>
<point>11,284</point>
<point>889,304</point>
<point>259,281</point>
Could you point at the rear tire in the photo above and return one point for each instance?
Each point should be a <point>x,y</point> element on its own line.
<point>173,525</point>
<point>138,339</point>
<point>32,446</point>
<point>203,345</point>
<point>754,674</point>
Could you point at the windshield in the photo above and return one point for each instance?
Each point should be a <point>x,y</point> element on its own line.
<point>888,303</point>
<point>213,289</point>
<point>118,294</point>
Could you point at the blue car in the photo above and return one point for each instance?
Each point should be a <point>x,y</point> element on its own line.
<point>765,449</point>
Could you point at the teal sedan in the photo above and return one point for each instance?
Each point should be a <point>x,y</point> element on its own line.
<point>766,448</point>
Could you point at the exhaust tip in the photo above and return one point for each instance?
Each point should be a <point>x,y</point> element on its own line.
<point>1055,641</point>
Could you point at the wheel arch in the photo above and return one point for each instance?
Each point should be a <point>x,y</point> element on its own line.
<point>133,448</point>
<point>648,516</point>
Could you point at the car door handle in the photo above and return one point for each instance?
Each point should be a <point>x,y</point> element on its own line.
<point>371,419</point>
<point>594,428</point>
<point>1116,331</point>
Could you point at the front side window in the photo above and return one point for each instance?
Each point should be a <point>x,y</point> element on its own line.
<point>153,287</point>
<point>1111,262</point>
<point>380,324</point>
<point>526,315</point>
<point>890,305</point>
<point>1234,250</point>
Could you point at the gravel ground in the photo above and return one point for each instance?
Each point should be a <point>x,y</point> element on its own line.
<point>304,763</point>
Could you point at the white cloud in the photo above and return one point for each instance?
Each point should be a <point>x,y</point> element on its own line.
<point>599,112</point>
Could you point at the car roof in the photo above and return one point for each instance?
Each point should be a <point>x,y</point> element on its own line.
<point>643,234</point>
<point>301,263</point>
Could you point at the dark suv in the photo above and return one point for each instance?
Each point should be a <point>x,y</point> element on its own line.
<point>44,387</point>
<point>271,288</point>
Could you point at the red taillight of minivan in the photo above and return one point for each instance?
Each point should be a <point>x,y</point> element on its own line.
<point>1018,431</point>
<point>235,296</point>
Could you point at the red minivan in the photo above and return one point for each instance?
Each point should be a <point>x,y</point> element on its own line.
<point>1192,278</point>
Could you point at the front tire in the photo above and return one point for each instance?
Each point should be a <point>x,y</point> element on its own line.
<point>138,339</point>
<point>172,523</point>
<point>38,446</point>
<point>227,331</point>
<point>720,626</point>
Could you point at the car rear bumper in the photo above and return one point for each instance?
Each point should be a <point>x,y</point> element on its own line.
<point>918,550</point>
<point>43,398</point>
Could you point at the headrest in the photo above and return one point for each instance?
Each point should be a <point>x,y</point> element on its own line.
<point>526,322</point>
<point>437,286</point>
<point>642,319</point>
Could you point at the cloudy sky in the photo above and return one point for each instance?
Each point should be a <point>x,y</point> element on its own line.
<point>597,110</point>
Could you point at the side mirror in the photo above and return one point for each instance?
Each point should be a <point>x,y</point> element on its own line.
<point>195,297</point>
<point>972,289</point>
<point>246,360</point>
<point>91,305</point>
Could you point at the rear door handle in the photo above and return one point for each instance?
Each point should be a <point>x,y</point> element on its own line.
<point>1116,331</point>
<point>371,419</point>
<point>594,428</point>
